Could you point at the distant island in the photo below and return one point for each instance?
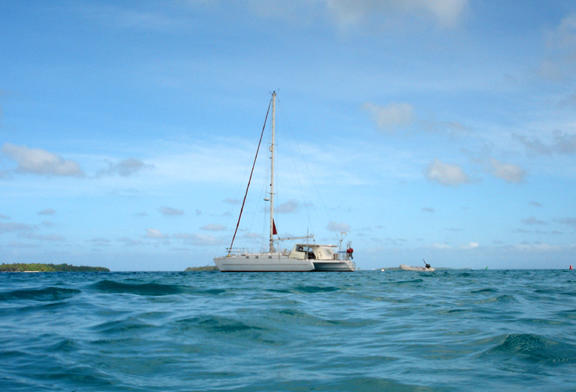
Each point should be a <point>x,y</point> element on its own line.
<point>38,267</point>
<point>203,268</point>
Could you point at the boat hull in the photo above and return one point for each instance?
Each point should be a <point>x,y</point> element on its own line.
<point>334,266</point>
<point>421,269</point>
<point>259,263</point>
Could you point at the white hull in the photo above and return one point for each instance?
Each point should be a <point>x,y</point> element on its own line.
<point>265,262</point>
<point>410,268</point>
<point>334,265</point>
<point>262,263</point>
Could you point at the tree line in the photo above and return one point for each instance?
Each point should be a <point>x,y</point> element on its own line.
<point>39,267</point>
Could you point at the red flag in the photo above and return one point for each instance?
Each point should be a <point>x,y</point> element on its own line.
<point>274,232</point>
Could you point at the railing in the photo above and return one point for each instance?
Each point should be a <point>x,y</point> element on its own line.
<point>246,252</point>
<point>238,251</point>
<point>342,255</point>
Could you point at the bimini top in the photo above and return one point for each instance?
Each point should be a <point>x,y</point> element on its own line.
<point>313,251</point>
<point>316,246</point>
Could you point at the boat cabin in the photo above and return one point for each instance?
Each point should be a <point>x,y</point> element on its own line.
<point>314,252</point>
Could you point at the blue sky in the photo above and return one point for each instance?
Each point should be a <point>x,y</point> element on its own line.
<point>442,129</point>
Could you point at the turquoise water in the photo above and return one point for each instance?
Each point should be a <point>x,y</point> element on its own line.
<point>363,331</point>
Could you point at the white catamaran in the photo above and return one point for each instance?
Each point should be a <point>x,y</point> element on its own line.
<point>302,257</point>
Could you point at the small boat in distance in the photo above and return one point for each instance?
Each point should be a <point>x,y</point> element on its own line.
<point>405,267</point>
<point>427,267</point>
<point>303,256</point>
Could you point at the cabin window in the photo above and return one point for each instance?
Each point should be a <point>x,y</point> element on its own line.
<point>269,257</point>
<point>247,257</point>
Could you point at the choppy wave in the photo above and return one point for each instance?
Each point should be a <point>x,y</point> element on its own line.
<point>39,294</point>
<point>223,325</point>
<point>315,289</point>
<point>152,289</point>
<point>407,281</point>
<point>484,291</point>
<point>366,331</point>
<point>533,348</point>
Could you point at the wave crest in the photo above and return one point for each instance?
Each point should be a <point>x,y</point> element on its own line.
<point>43,294</point>
<point>152,289</point>
<point>534,348</point>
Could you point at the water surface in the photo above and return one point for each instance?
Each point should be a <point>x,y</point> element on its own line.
<point>363,331</point>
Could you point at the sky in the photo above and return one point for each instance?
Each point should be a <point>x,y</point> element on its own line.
<point>442,130</point>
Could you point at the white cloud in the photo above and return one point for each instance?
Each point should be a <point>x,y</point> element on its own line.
<point>7,227</point>
<point>193,239</point>
<point>47,211</point>
<point>125,168</point>
<point>564,36</point>
<point>131,242</point>
<point>452,128</point>
<point>198,239</point>
<point>169,211</point>
<point>538,247</point>
<point>346,13</point>
<point>392,116</point>
<point>342,13</point>
<point>130,18</point>
<point>531,221</point>
<point>228,161</point>
<point>100,241</point>
<point>446,174</point>
<point>506,171</point>
<point>206,161</point>
<point>43,237</point>
<point>561,64</point>
<point>252,236</point>
<point>338,227</point>
<point>22,245</point>
<point>445,246</point>
<point>287,207</point>
<point>471,245</point>
<point>154,233</point>
<point>42,162</point>
<point>445,13</point>
<point>568,221</point>
<point>560,143</point>
<point>213,227</point>
<point>568,101</point>
<point>203,162</point>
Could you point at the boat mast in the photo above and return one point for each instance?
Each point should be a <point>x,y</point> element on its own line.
<point>271,250</point>
<point>249,179</point>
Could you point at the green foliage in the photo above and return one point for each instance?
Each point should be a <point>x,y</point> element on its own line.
<point>204,268</point>
<point>38,267</point>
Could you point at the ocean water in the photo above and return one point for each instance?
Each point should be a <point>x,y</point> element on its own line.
<point>363,331</point>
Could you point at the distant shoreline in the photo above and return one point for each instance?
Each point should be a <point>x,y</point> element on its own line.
<point>203,268</point>
<point>41,267</point>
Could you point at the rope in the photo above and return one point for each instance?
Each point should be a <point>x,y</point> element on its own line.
<point>250,179</point>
